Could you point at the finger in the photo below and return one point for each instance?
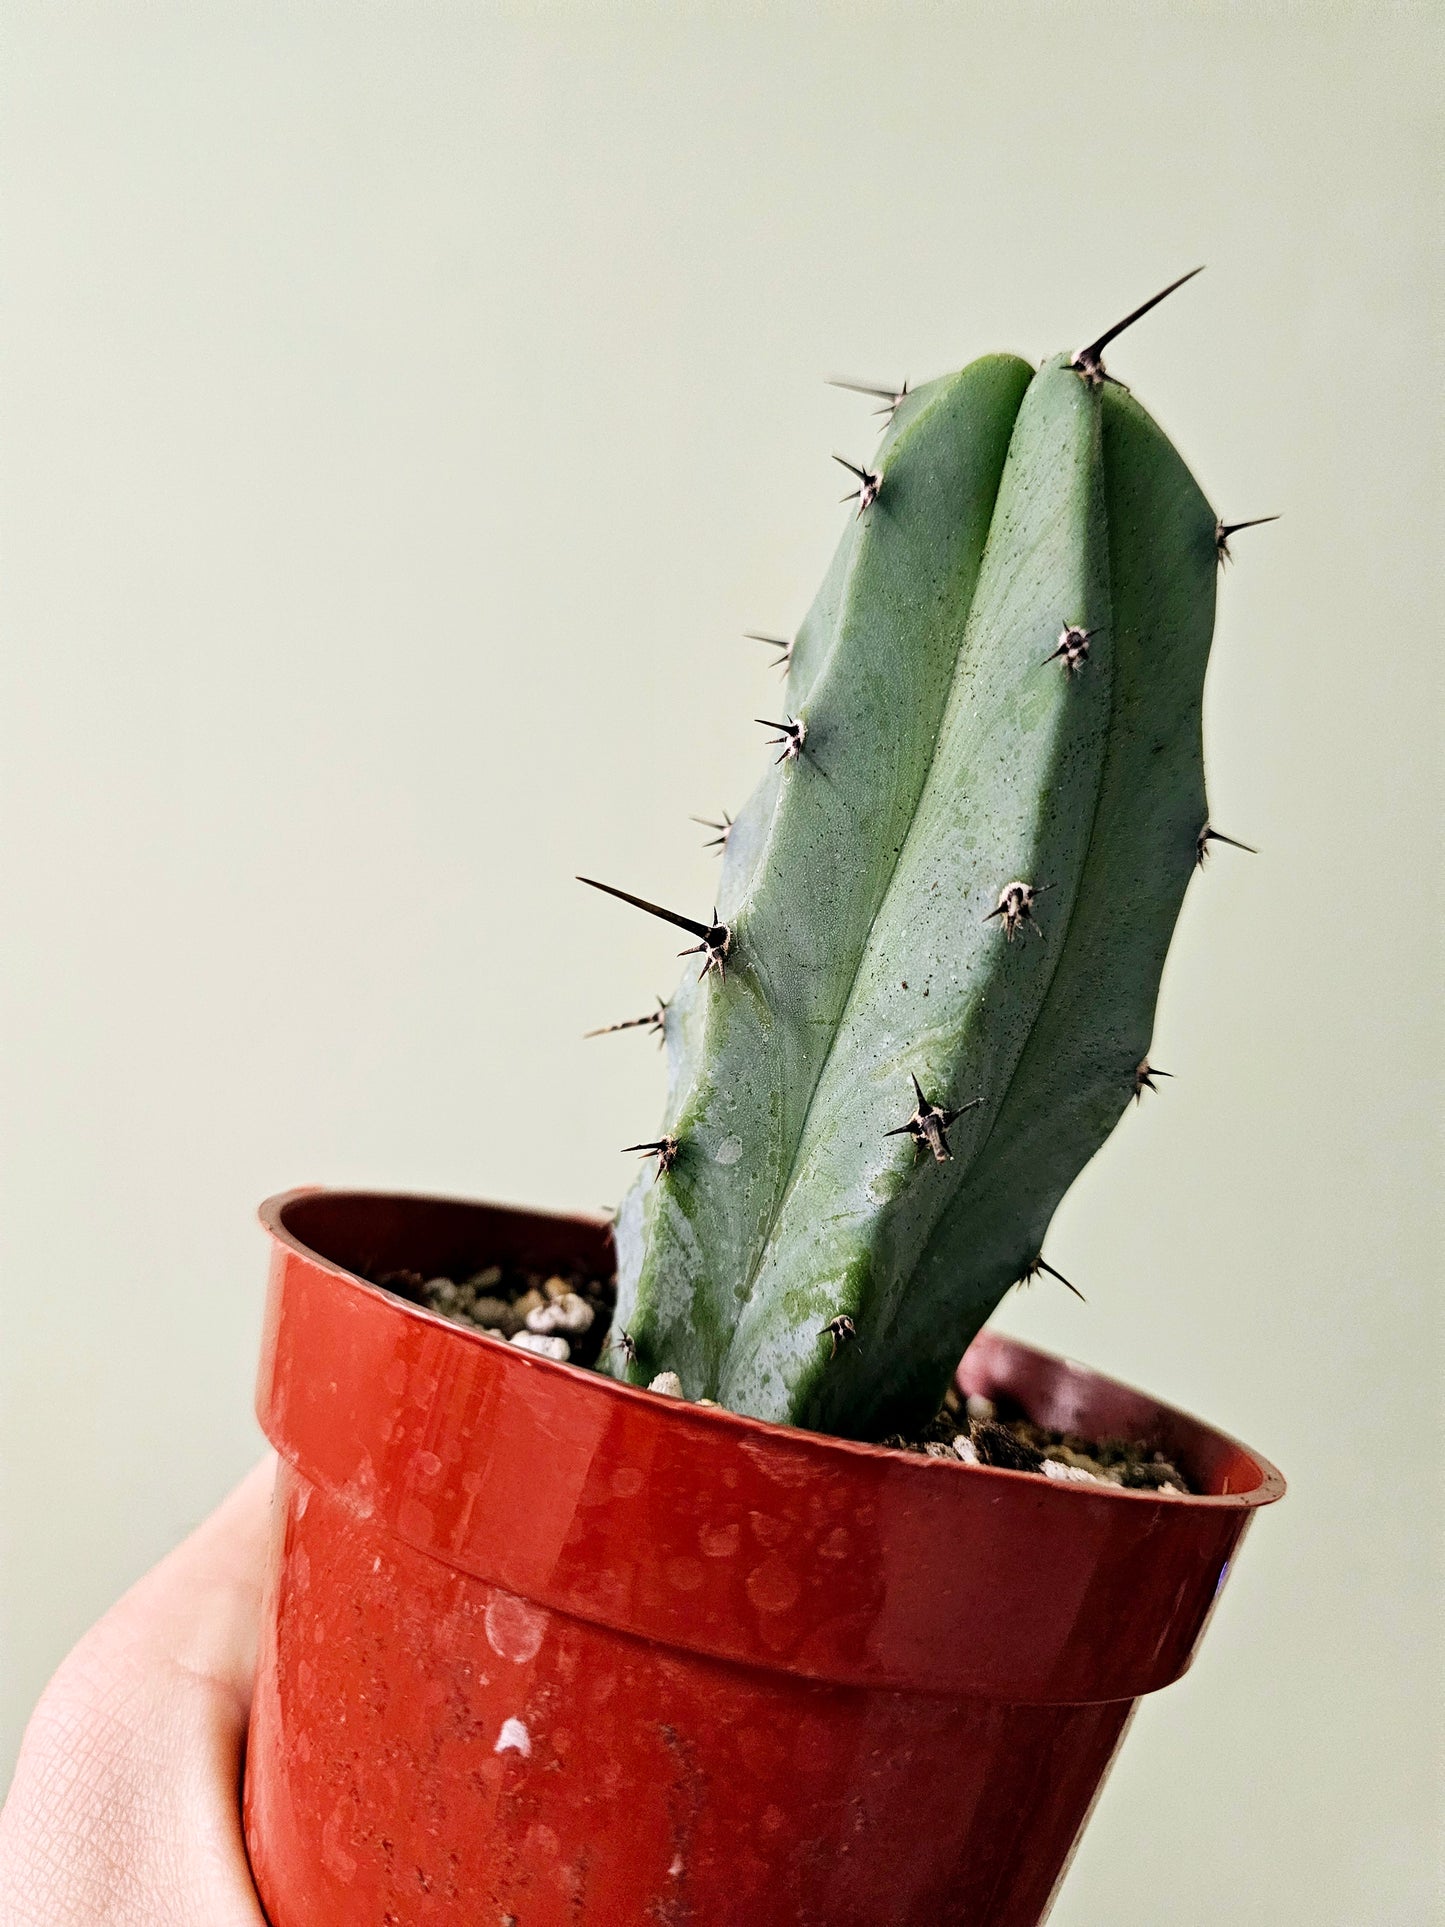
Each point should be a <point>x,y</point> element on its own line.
<point>124,1809</point>
<point>199,1609</point>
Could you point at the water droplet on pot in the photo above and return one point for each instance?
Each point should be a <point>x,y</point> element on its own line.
<point>514,1628</point>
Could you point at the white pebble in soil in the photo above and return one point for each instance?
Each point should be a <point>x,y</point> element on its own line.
<point>569,1313</point>
<point>668,1383</point>
<point>981,1407</point>
<point>543,1345</point>
<point>1070,1474</point>
<point>965,1449</point>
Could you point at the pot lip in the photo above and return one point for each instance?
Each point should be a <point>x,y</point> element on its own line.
<point>271,1212</point>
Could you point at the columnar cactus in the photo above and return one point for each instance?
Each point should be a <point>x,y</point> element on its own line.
<point>926,993</point>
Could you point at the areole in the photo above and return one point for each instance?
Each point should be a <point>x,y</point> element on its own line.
<point>542,1646</point>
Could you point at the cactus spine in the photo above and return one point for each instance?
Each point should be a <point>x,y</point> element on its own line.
<point>944,910</point>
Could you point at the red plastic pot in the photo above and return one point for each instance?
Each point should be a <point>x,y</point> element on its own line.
<point>545,1649</point>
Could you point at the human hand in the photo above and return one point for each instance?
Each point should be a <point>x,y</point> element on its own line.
<point>125,1810</point>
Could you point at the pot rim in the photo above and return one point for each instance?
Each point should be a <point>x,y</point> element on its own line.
<point>1270,1487</point>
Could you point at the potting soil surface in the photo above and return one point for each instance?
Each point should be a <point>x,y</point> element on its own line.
<point>566,1316</point>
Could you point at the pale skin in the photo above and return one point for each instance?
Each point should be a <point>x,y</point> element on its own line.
<point>125,1806</point>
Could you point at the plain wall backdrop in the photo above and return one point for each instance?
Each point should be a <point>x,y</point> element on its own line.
<point>405,409</point>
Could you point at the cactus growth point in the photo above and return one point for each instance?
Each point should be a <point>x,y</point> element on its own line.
<point>927,990</point>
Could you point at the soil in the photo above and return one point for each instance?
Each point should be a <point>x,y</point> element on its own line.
<point>511,1302</point>
<point>566,1315</point>
<point>981,1433</point>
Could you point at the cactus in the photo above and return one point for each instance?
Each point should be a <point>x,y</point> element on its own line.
<point>926,992</point>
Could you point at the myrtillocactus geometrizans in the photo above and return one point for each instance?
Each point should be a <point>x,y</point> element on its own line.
<point>951,895</point>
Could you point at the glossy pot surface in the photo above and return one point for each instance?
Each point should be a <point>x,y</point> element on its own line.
<point>545,1648</point>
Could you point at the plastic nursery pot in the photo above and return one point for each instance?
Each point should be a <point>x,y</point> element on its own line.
<point>540,1648</point>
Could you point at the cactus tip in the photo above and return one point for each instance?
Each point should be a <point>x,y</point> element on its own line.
<point>1088,363</point>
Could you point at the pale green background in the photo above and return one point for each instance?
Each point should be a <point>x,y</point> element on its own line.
<point>405,409</point>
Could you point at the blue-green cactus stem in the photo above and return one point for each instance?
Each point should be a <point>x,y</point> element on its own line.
<point>948,905</point>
